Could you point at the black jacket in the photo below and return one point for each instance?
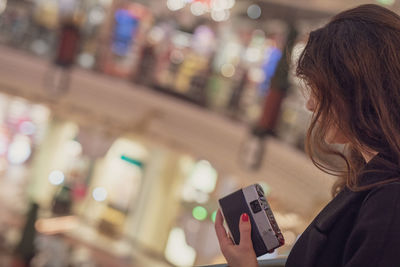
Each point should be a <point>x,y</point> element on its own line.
<point>356,228</point>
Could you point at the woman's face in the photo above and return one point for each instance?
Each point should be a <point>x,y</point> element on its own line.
<point>334,135</point>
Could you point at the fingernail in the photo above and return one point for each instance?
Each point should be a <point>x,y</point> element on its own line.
<point>245,217</point>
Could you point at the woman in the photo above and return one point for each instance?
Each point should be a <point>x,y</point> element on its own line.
<point>351,67</point>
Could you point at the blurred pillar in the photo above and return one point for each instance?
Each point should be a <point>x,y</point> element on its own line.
<point>25,250</point>
<point>48,157</point>
<point>253,151</point>
<point>278,88</point>
<point>158,202</point>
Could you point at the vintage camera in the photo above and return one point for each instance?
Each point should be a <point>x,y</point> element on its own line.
<point>265,233</point>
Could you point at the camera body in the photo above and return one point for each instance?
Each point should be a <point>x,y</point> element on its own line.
<point>265,233</point>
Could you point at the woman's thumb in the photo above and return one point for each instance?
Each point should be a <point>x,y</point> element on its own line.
<point>245,230</point>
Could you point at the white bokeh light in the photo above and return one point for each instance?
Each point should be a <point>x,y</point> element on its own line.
<point>254,11</point>
<point>222,4</point>
<point>220,15</point>
<point>73,148</point>
<point>228,70</point>
<point>56,177</point>
<point>198,8</point>
<point>175,5</point>
<point>19,150</point>
<point>99,194</point>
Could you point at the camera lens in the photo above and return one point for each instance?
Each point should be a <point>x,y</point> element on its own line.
<point>255,206</point>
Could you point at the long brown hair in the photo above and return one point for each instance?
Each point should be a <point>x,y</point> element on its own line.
<point>352,68</point>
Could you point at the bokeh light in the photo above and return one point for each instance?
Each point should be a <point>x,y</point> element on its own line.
<point>254,11</point>
<point>228,70</point>
<point>99,194</point>
<point>220,15</point>
<point>213,216</point>
<point>175,5</point>
<point>199,213</point>
<point>56,177</point>
<point>19,150</point>
<point>198,8</point>
<point>386,2</point>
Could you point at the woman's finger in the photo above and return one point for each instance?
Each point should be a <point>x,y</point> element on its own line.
<point>222,236</point>
<point>245,230</point>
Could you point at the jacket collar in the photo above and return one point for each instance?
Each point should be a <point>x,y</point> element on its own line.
<point>382,167</point>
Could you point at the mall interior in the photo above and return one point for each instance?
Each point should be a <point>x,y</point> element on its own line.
<point>122,122</point>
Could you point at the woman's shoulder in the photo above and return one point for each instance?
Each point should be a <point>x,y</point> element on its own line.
<point>389,191</point>
<point>382,204</point>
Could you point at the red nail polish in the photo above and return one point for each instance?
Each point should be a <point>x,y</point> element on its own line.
<point>245,217</point>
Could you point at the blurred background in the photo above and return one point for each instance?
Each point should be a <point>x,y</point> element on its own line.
<point>123,122</point>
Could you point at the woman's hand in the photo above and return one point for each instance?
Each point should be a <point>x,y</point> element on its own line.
<point>241,255</point>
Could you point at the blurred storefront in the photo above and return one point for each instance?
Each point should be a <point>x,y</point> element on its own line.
<point>125,121</point>
<point>215,54</point>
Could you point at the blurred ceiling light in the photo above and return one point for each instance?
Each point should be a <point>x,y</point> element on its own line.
<point>3,5</point>
<point>220,15</point>
<point>228,70</point>
<point>175,5</point>
<point>386,2</point>
<point>198,8</point>
<point>178,252</point>
<point>56,177</point>
<point>254,11</point>
<point>99,194</point>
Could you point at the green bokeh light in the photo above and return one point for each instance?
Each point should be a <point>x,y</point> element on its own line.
<point>199,213</point>
<point>386,2</point>
<point>213,215</point>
